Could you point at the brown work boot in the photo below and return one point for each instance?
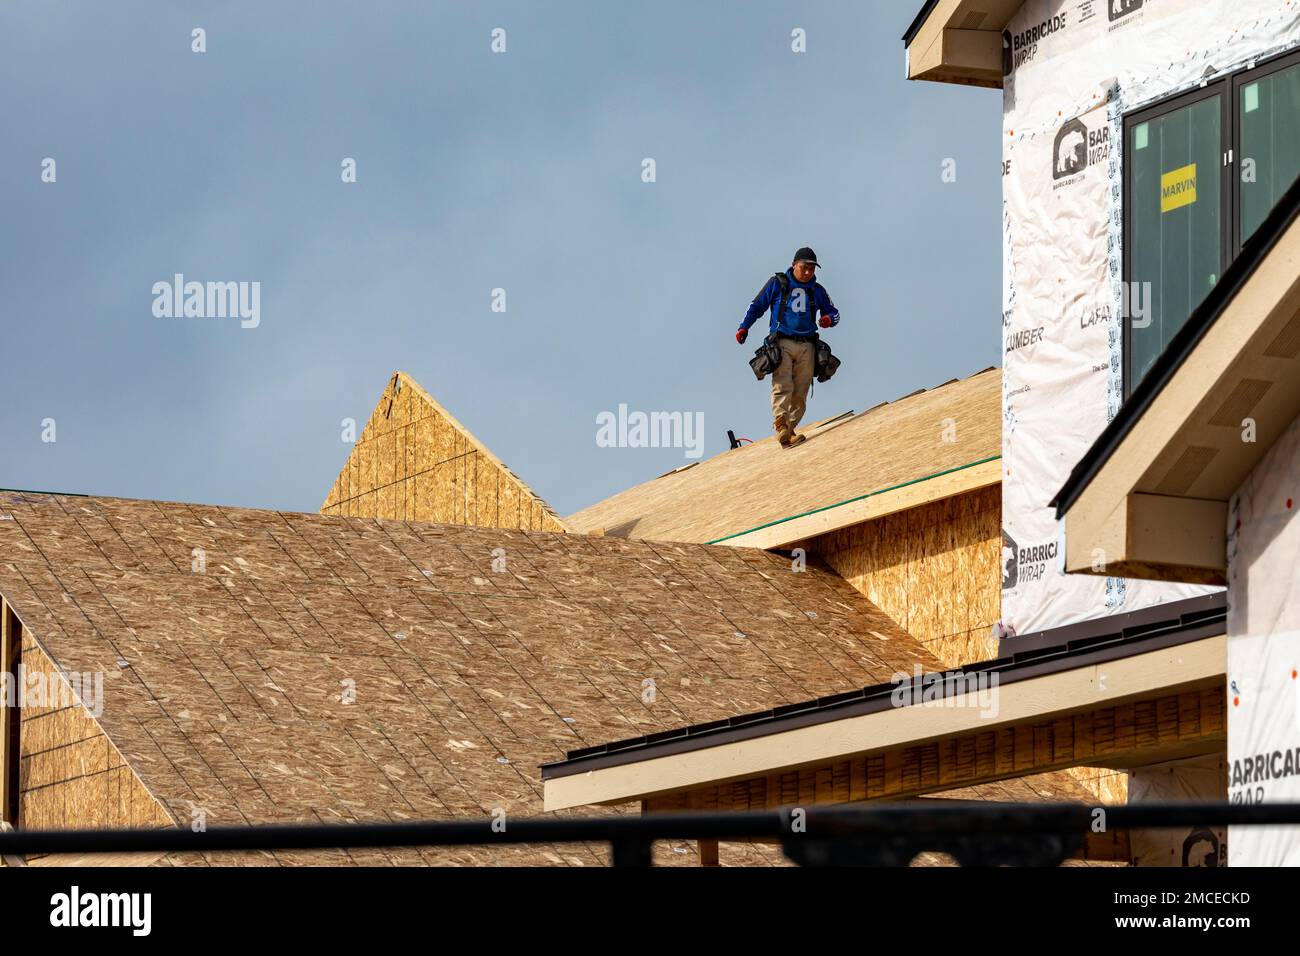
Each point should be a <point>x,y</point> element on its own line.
<point>796,440</point>
<point>783,432</point>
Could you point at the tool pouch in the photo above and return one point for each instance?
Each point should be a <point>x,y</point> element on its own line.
<point>766,358</point>
<point>825,364</point>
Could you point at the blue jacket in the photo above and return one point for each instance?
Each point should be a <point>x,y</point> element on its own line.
<point>795,321</point>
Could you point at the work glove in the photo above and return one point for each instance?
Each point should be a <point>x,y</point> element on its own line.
<point>825,321</point>
<point>741,335</point>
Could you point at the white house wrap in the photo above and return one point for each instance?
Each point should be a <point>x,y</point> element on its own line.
<point>1076,66</point>
<point>1264,651</point>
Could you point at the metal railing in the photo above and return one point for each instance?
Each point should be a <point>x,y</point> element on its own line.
<point>1003,834</point>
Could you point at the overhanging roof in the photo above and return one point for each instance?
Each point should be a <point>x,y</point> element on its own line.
<point>959,41</point>
<point>1150,495</point>
<point>919,21</point>
<point>1149,655</point>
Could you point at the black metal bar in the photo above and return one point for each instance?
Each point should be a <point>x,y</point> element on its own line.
<point>631,836</point>
<point>632,852</point>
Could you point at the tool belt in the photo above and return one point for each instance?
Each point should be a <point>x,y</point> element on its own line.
<point>768,356</point>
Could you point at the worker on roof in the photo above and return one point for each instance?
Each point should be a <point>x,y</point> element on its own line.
<point>794,298</point>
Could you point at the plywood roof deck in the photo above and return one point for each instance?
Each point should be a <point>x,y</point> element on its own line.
<point>225,681</point>
<point>916,439</point>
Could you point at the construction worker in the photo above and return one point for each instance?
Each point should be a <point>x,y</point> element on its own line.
<point>794,298</point>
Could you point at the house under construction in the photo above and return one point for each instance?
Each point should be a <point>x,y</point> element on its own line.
<point>1069,578</point>
<point>261,667</point>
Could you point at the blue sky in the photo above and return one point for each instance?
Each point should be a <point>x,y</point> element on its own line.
<point>475,171</point>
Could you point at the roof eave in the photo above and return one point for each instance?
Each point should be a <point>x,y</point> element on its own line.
<point>959,42</point>
<point>639,764</point>
<point>1194,665</point>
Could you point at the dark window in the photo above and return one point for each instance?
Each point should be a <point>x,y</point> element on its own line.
<point>1268,107</point>
<point>1175,218</point>
<point>1201,171</point>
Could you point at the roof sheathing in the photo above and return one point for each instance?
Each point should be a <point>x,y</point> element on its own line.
<point>230,638</point>
<point>922,435</point>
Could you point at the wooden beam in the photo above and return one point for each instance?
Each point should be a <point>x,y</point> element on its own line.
<point>709,853</point>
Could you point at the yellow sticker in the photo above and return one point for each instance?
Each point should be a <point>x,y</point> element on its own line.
<point>1178,188</point>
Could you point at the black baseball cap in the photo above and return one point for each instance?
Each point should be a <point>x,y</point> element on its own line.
<point>806,255</point>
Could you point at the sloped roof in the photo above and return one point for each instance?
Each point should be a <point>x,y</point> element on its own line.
<point>845,457</point>
<point>224,687</point>
<point>414,461</point>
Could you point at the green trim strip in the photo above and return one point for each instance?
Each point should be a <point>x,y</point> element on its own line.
<point>849,501</point>
<point>32,491</point>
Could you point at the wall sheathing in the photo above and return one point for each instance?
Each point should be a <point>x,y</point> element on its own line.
<point>70,774</point>
<point>414,462</point>
<point>1076,67</point>
<point>933,569</point>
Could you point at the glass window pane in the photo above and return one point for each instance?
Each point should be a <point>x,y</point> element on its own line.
<point>1270,143</point>
<point>1175,246</point>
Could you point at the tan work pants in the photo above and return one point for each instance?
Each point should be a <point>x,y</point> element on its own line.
<point>790,384</point>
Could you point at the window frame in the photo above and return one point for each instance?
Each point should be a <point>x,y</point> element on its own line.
<point>1228,87</point>
<point>1224,90</point>
<point>1239,80</point>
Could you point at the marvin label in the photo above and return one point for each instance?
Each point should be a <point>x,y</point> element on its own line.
<point>1178,188</point>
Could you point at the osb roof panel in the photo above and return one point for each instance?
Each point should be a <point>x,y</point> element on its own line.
<point>224,688</point>
<point>750,486</point>
<point>404,402</point>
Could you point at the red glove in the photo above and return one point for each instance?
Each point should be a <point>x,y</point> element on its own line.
<point>825,321</point>
<point>741,335</point>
